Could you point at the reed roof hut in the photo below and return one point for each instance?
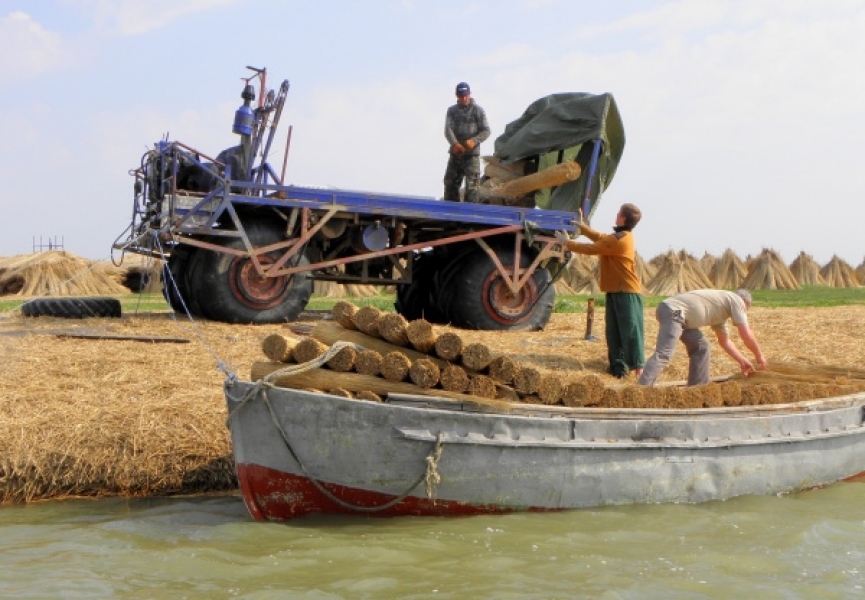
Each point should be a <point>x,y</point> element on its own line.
<point>838,273</point>
<point>806,270</point>
<point>769,272</point>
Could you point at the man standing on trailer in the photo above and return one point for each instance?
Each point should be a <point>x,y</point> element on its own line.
<point>466,126</point>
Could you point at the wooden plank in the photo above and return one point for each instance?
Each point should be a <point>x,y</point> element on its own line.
<point>129,338</point>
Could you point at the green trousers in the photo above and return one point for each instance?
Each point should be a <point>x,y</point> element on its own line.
<point>625,332</point>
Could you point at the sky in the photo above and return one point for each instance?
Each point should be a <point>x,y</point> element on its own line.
<point>744,120</point>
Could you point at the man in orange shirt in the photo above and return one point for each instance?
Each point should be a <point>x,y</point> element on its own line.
<point>624,300</point>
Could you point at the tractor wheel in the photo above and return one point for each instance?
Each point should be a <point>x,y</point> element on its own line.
<point>480,299</point>
<point>72,308</point>
<point>229,289</point>
<point>178,280</point>
<point>415,300</point>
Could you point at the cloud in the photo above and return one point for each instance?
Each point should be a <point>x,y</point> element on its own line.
<point>34,49</point>
<point>137,17</point>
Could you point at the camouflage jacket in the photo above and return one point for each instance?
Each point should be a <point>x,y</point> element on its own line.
<point>467,122</point>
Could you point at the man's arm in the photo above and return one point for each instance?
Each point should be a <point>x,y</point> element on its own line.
<point>449,130</point>
<point>730,348</point>
<point>750,342</point>
<point>483,127</point>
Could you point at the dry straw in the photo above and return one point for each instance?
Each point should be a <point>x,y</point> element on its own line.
<point>838,273</point>
<point>806,270</point>
<point>676,273</point>
<point>728,272</point>
<point>769,272</point>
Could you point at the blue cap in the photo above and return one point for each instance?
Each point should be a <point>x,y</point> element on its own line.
<point>463,89</point>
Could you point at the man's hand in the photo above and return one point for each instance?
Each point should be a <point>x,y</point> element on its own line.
<point>470,144</point>
<point>747,367</point>
<point>563,238</point>
<point>457,148</point>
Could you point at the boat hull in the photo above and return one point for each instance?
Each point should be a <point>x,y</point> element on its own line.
<point>299,453</point>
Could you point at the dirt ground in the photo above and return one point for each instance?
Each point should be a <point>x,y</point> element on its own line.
<point>91,416</point>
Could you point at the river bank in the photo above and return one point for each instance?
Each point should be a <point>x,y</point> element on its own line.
<point>134,406</point>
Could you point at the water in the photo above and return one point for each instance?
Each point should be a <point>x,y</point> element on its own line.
<point>809,545</point>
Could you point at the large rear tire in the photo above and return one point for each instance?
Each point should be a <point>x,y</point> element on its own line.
<point>415,300</point>
<point>178,279</point>
<point>479,298</point>
<point>230,290</point>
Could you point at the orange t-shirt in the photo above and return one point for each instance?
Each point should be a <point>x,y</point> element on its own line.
<point>617,259</point>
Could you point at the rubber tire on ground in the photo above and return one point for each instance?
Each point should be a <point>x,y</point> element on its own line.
<point>415,300</point>
<point>477,291</point>
<point>72,308</point>
<point>224,291</point>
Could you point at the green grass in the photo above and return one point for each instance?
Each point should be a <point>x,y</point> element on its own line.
<point>812,296</point>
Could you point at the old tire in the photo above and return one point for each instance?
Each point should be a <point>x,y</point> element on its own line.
<point>72,308</point>
<point>415,300</point>
<point>480,299</point>
<point>229,290</point>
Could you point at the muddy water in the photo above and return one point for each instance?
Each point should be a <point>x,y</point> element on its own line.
<point>808,545</point>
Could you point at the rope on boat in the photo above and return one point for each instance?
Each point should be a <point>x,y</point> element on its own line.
<point>430,477</point>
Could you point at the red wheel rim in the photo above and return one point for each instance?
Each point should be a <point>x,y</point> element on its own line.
<point>254,290</point>
<point>505,307</point>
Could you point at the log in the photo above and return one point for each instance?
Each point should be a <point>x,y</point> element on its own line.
<point>278,347</point>
<point>329,333</point>
<point>553,176</point>
<point>499,172</point>
<point>354,382</point>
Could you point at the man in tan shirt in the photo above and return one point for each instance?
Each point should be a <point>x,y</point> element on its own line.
<point>681,316</point>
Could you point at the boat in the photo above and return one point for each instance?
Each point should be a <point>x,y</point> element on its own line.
<point>301,453</point>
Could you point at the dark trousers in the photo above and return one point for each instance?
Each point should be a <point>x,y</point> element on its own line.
<point>462,166</point>
<point>625,332</point>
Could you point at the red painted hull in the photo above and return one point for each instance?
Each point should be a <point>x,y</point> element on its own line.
<point>276,496</point>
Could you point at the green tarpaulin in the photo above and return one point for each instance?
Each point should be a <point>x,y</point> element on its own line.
<point>562,127</point>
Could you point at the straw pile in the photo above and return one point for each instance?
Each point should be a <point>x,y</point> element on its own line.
<point>582,274</point>
<point>645,271</point>
<point>56,273</point>
<point>806,270</point>
<point>838,273</point>
<point>860,272</point>
<point>728,272</point>
<point>676,273</point>
<point>769,272</point>
<point>707,262</point>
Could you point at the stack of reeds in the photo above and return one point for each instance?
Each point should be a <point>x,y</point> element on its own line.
<point>806,270</point>
<point>838,273</point>
<point>676,273</point>
<point>56,273</point>
<point>769,272</point>
<point>728,272</point>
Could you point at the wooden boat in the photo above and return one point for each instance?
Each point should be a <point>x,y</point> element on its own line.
<point>299,453</point>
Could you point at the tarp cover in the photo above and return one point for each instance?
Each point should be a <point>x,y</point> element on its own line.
<point>562,127</point>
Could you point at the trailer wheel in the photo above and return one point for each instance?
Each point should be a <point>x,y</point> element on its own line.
<point>72,308</point>
<point>480,299</point>
<point>178,280</point>
<point>230,290</point>
<point>415,300</point>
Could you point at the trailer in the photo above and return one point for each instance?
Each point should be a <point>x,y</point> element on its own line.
<point>241,246</point>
